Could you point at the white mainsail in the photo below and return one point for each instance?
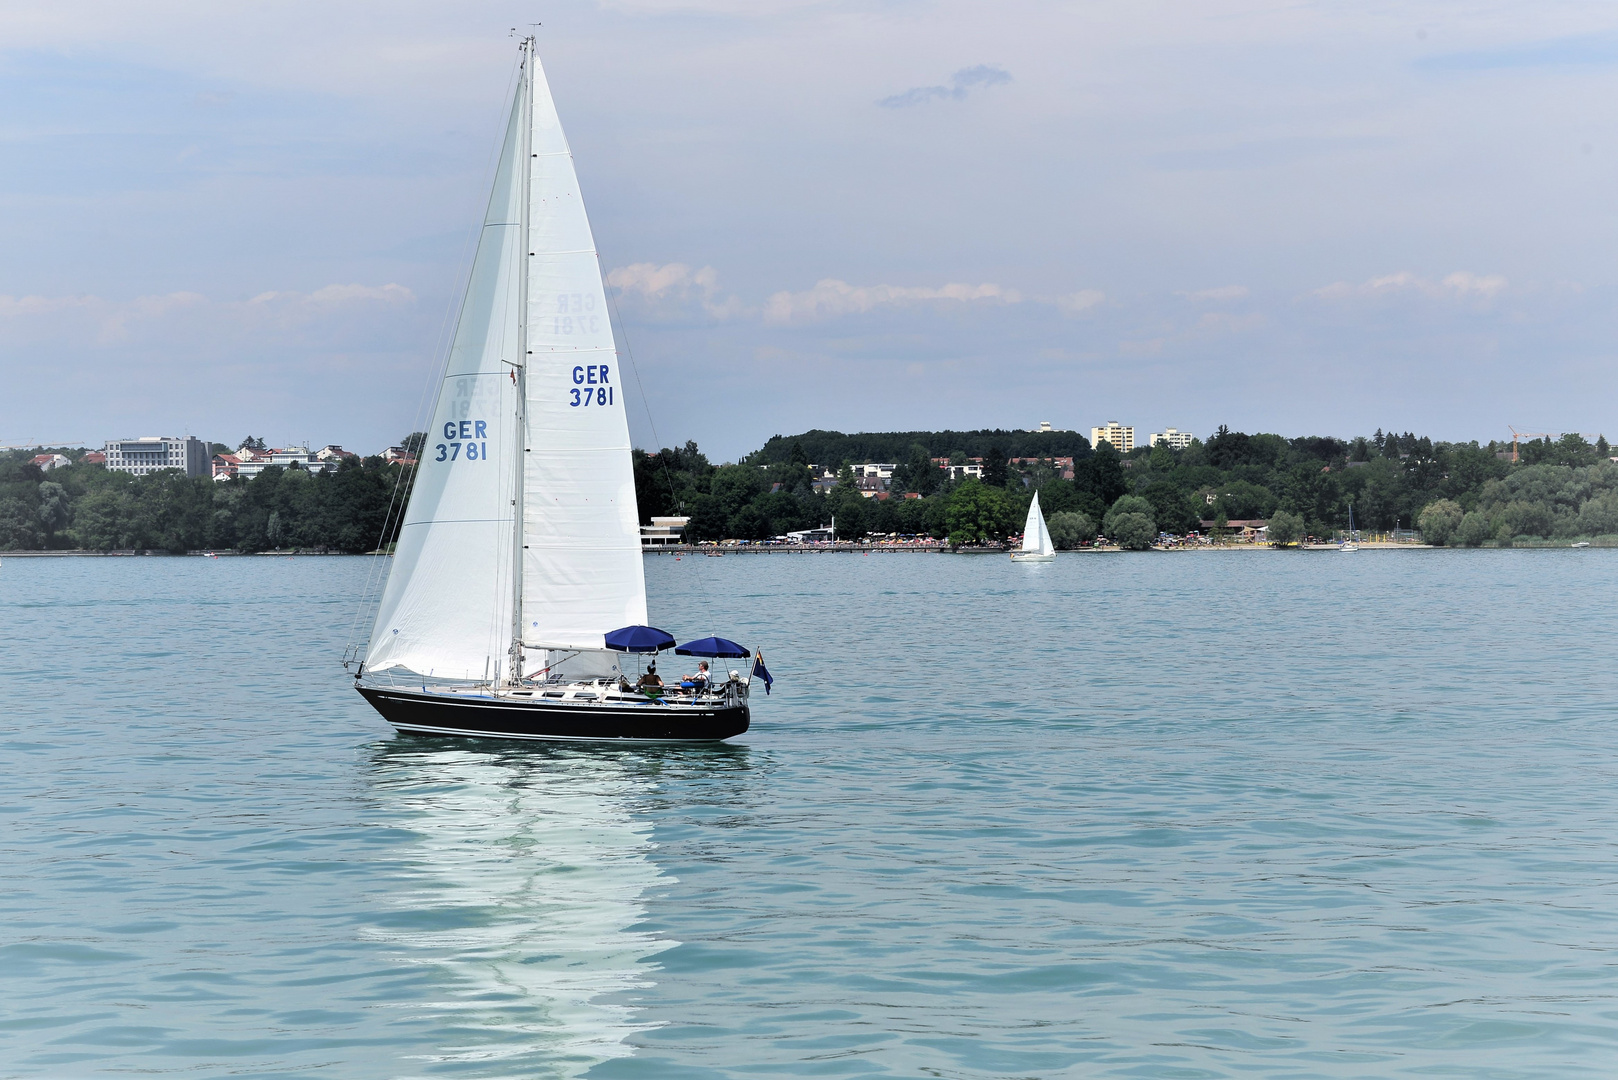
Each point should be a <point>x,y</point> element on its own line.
<point>1036,538</point>
<point>446,610</point>
<point>535,317</point>
<point>582,573</point>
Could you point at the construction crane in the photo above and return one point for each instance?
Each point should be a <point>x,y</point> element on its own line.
<point>1515,435</point>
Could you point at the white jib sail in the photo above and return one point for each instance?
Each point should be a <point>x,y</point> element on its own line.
<point>1036,538</point>
<point>582,573</point>
<point>446,610</point>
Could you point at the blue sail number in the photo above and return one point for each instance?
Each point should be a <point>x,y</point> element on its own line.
<point>461,433</point>
<point>590,386</point>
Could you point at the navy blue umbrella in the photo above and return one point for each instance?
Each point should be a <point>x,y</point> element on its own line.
<point>641,639</point>
<point>712,646</point>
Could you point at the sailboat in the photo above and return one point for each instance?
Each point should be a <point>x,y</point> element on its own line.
<point>1036,537</point>
<point>1351,544</point>
<point>516,598</point>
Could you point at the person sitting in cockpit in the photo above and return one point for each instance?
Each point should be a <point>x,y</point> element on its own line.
<point>651,679</point>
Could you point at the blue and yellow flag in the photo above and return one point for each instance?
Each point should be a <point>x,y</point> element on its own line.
<point>762,672</point>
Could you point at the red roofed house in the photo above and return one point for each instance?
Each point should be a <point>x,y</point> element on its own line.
<point>47,462</point>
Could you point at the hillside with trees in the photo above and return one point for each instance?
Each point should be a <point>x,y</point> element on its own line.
<point>87,507</point>
<point>1558,490</point>
<point>1463,494</point>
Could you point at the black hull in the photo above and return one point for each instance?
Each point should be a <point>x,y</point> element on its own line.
<point>436,714</point>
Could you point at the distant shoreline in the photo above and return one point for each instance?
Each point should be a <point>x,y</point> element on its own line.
<point>803,549</point>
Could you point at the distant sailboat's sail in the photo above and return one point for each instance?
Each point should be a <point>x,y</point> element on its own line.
<point>1036,538</point>
<point>446,611</point>
<point>582,573</point>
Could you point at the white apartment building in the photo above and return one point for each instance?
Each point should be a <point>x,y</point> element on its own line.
<point>882,470</point>
<point>1121,437</point>
<point>1174,440</point>
<point>153,453</point>
<point>251,462</point>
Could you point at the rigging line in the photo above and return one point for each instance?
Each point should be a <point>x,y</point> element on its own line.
<point>441,345</point>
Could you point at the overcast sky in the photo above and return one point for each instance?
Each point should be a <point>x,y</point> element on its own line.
<point>231,218</point>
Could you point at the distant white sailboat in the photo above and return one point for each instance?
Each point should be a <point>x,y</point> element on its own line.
<point>1036,537</point>
<point>1351,544</point>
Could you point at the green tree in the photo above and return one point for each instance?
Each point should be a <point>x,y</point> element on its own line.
<point>1129,504</point>
<point>1285,527</point>
<point>1101,475</point>
<point>1440,521</point>
<point>995,470</point>
<point>1473,530</point>
<point>19,525</point>
<point>1131,531</point>
<point>1069,529</point>
<point>918,474</point>
<point>53,509</point>
<point>977,513</point>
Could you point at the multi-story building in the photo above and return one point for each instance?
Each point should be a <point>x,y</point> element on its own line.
<point>252,462</point>
<point>1121,437</point>
<point>1174,440</point>
<point>663,532</point>
<point>973,467</point>
<point>153,453</point>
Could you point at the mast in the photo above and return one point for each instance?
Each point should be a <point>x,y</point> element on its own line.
<point>525,184</point>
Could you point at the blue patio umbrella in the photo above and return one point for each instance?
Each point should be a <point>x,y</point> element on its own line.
<point>712,646</point>
<point>639,639</point>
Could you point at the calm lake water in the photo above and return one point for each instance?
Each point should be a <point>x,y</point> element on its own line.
<point>1184,815</point>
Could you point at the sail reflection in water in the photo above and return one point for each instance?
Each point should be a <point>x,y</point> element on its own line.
<point>528,881</point>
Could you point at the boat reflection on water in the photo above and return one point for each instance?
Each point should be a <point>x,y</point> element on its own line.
<point>529,877</point>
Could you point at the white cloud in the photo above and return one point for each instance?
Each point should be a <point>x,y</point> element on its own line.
<point>1461,284</point>
<point>672,286</point>
<point>114,321</point>
<point>1223,292</point>
<point>1464,283</point>
<point>1083,300</point>
<point>831,298</point>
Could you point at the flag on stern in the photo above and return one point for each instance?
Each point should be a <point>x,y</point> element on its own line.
<point>762,672</point>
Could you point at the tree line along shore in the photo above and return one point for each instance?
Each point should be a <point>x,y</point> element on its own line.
<point>1456,494</point>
